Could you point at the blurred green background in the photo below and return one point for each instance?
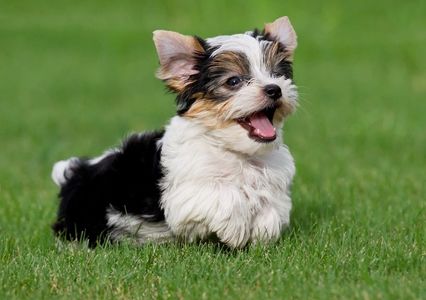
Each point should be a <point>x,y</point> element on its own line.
<point>77,76</point>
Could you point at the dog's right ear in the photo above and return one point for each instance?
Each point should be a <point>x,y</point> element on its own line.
<point>282,30</point>
<point>177,55</point>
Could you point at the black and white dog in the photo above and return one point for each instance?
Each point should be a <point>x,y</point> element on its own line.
<point>219,169</point>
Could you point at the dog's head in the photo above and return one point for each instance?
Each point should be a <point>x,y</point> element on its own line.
<point>240,87</point>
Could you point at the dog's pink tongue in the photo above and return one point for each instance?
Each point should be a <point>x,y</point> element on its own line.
<point>263,128</point>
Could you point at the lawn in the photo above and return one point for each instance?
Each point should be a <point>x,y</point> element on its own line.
<point>77,76</point>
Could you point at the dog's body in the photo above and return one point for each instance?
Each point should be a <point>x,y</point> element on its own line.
<point>219,168</point>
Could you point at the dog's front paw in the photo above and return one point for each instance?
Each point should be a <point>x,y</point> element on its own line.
<point>267,226</point>
<point>233,234</point>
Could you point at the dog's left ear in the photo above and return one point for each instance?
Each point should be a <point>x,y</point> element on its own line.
<point>177,55</point>
<point>282,31</point>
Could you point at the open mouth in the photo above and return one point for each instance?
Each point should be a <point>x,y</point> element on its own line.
<point>259,125</point>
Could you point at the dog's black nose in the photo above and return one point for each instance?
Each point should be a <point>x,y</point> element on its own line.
<point>273,91</point>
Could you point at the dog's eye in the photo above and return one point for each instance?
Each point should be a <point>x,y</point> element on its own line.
<point>234,81</point>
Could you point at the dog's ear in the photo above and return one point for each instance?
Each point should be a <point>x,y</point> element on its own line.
<point>177,55</point>
<point>282,31</point>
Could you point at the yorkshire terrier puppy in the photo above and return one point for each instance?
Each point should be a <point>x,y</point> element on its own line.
<point>219,169</point>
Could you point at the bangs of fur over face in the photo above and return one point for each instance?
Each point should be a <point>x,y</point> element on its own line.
<point>207,92</point>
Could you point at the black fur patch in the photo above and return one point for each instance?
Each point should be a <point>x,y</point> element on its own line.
<point>126,180</point>
<point>285,68</point>
<point>260,35</point>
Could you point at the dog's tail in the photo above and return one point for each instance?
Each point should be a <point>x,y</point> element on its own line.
<point>63,170</point>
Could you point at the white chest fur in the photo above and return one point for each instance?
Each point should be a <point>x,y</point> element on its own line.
<point>210,190</point>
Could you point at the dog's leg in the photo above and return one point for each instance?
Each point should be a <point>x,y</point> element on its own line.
<point>197,211</point>
<point>136,229</point>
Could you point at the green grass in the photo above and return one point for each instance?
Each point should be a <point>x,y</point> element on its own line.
<point>77,76</point>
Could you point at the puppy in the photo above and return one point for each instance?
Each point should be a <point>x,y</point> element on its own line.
<point>219,169</point>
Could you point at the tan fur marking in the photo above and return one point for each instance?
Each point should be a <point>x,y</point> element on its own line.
<point>232,62</point>
<point>209,113</point>
<point>282,111</point>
